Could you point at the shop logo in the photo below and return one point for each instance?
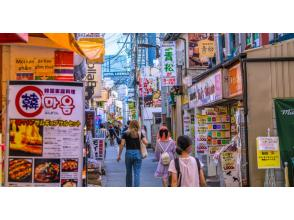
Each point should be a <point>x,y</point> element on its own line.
<point>288,112</point>
<point>28,101</point>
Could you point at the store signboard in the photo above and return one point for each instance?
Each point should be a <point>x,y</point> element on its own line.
<point>268,152</point>
<point>25,68</point>
<point>38,68</point>
<point>169,63</point>
<point>45,130</point>
<point>198,56</point>
<point>90,121</point>
<point>235,81</point>
<point>99,145</point>
<point>209,90</point>
<point>206,48</point>
<point>192,96</point>
<point>229,161</point>
<point>186,122</point>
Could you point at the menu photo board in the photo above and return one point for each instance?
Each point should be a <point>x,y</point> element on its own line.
<point>45,134</point>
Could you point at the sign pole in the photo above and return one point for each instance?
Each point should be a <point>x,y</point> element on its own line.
<point>270,179</point>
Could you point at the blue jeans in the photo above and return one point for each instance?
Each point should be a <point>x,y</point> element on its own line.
<point>133,160</point>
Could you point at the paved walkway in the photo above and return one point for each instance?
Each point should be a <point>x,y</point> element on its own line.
<point>115,172</point>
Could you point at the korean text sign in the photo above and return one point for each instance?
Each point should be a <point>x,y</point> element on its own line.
<point>168,62</point>
<point>268,152</point>
<point>45,125</point>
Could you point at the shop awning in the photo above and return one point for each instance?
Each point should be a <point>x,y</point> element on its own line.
<point>14,38</point>
<point>93,50</point>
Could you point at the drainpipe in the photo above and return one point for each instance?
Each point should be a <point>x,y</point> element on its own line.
<point>245,101</point>
<point>185,42</point>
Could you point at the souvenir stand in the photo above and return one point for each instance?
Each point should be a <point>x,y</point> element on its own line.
<point>220,127</point>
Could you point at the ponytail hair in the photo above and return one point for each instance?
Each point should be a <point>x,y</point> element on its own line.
<point>183,142</point>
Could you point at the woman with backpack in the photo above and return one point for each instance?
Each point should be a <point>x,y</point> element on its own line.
<point>186,171</point>
<point>164,152</point>
<point>132,138</point>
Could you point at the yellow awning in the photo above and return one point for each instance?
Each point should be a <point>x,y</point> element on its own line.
<point>92,49</point>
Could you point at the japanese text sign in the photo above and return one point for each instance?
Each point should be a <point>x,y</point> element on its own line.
<point>268,152</point>
<point>206,48</point>
<point>168,62</point>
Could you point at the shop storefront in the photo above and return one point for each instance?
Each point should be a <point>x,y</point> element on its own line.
<point>38,59</point>
<point>219,126</point>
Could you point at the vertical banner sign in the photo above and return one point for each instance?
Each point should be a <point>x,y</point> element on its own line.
<point>168,62</point>
<point>99,145</point>
<point>187,122</point>
<point>284,109</point>
<point>268,153</point>
<point>90,121</point>
<point>45,130</point>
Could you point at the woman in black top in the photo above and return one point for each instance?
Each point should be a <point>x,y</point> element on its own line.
<point>133,159</point>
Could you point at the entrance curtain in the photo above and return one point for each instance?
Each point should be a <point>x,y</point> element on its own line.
<point>284,109</point>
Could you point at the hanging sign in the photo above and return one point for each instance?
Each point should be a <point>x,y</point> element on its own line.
<point>235,81</point>
<point>45,144</point>
<point>268,152</point>
<point>169,67</point>
<point>209,89</point>
<point>206,48</point>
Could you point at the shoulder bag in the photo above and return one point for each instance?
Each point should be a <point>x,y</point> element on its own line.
<point>143,148</point>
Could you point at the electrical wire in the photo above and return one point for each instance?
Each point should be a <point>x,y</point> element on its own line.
<point>118,53</point>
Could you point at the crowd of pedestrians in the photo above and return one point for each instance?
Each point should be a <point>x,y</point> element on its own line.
<point>175,165</point>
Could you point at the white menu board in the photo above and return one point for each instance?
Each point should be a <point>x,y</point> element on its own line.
<point>45,134</point>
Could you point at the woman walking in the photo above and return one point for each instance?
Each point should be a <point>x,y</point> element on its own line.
<point>132,138</point>
<point>186,171</point>
<point>164,153</point>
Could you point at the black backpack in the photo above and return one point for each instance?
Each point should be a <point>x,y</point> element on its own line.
<point>177,165</point>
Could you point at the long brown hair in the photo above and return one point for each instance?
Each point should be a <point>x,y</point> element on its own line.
<point>134,128</point>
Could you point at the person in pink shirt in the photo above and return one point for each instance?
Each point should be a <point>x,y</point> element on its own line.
<point>190,169</point>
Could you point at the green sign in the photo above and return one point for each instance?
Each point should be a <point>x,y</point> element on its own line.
<point>285,124</point>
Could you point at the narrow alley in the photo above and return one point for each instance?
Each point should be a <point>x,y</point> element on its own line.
<point>115,171</point>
